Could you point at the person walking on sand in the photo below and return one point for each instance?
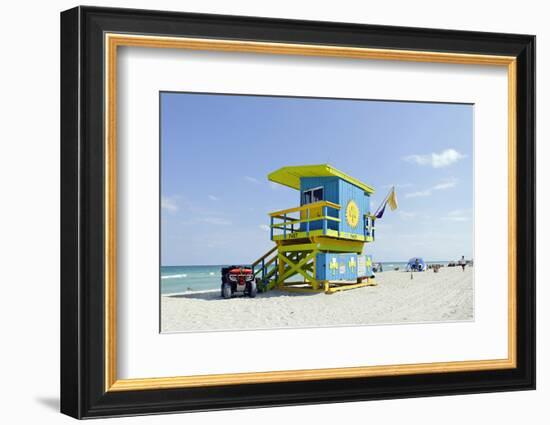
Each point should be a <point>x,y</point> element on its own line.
<point>462,263</point>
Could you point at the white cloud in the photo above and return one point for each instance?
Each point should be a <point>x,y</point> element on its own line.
<point>436,160</point>
<point>418,194</point>
<point>446,185</point>
<point>449,184</point>
<point>264,227</point>
<point>213,198</point>
<point>445,158</point>
<point>168,204</point>
<point>252,179</point>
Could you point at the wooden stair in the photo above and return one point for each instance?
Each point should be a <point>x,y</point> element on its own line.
<point>266,270</point>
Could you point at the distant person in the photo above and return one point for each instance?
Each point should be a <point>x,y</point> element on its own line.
<point>462,263</point>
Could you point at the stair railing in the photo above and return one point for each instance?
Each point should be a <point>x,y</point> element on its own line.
<point>262,267</point>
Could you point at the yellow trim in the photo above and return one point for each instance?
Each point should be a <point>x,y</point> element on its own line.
<point>113,41</point>
<point>282,226</point>
<point>290,176</point>
<point>344,287</point>
<point>329,204</point>
<point>325,243</point>
<point>297,235</point>
<point>298,247</point>
<point>319,232</point>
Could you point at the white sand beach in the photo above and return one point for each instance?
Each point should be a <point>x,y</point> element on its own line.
<point>428,297</point>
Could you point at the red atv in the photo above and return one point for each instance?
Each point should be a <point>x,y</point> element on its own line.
<point>238,280</point>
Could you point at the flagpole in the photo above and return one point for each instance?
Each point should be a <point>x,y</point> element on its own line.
<point>384,201</point>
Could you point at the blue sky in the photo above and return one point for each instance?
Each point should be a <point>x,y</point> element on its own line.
<point>217,150</point>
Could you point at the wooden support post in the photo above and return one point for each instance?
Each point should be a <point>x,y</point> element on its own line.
<point>325,220</point>
<point>307,222</point>
<point>281,267</point>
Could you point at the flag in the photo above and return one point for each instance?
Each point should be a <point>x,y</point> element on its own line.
<point>380,212</point>
<point>392,200</point>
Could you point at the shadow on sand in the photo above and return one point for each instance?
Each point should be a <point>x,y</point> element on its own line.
<point>216,296</point>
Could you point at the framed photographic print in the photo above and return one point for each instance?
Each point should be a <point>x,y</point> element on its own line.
<point>261,212</point>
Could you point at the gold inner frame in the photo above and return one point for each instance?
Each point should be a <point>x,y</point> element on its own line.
<point>113,41</point>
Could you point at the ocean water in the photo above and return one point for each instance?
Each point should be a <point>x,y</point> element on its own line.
<point>176,279</point>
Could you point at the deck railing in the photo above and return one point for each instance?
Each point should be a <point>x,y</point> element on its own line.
<point>287,223</point>
<point>369,226</point>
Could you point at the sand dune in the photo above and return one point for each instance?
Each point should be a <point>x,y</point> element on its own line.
<point>428,297</point>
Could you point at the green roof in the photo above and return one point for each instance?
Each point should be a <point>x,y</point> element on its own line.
<point>290,176</point>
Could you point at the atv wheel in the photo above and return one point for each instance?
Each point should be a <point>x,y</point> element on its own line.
<point>226,291</point>
<point>253,291</point>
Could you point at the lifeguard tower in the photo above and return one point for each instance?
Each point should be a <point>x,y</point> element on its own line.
<point>319,244</point>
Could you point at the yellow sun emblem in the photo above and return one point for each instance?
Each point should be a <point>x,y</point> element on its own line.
<point>352,213</point>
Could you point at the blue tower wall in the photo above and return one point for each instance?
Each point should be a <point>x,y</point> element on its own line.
<point>330,187</point>
<point>339,192</point>
<point>341,270</point>
<point>346,267</point>
<point>348,192</point>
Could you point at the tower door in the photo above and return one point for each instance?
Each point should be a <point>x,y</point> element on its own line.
<point>310,197</point>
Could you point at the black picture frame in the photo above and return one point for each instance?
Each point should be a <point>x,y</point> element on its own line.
<point>83,392</point>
